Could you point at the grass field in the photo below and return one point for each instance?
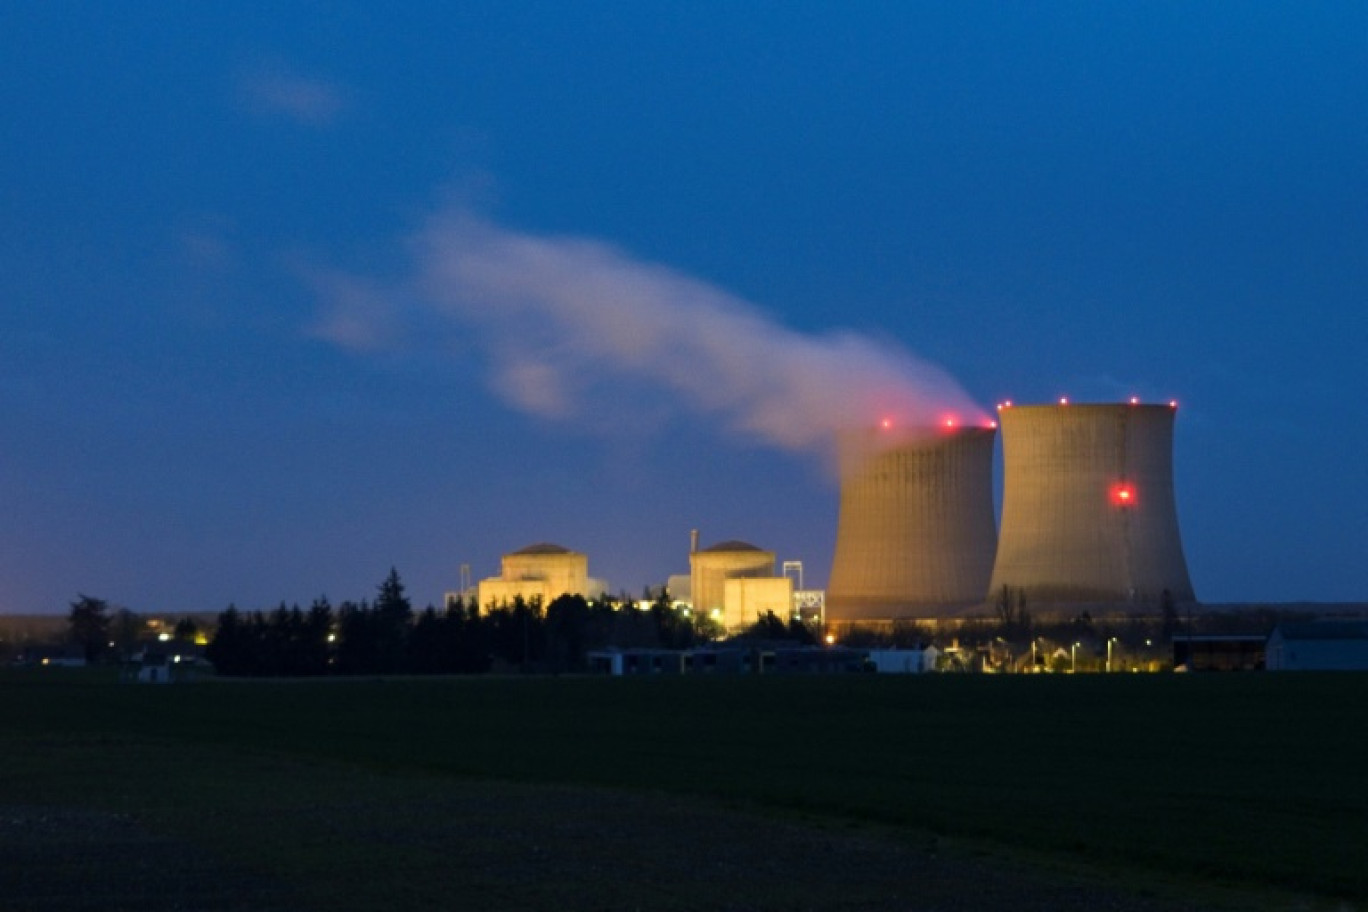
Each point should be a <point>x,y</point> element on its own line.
<point>1249,786</point>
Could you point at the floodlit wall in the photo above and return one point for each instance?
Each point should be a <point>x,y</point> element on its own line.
<point>1088,510</point>
<point>916,533</point>
<point>543,571</point>
<point>710,568</point>
<point>746,599</point>
<point>563,571</point>
<point>496,592</point>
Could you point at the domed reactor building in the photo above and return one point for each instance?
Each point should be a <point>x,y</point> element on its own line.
<point>916,533</point>
<point>1088,509</point>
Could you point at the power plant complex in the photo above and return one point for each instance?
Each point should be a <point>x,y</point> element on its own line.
<point>1089,519</point>
<point>1088,514</point>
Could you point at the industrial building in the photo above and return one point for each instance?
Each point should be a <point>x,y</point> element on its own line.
<point>916,533</point>
<point>734,582</point>
<point>1088,508</point>
<point>543,571</point>
<point>1319,646</point>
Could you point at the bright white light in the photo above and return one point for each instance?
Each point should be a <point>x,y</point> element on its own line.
<point>1135,400</point>
<point>1063,400</point>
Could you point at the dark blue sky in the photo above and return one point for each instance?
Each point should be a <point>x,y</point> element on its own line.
<point>233,367</point>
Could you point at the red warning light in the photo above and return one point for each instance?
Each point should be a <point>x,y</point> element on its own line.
<point>992,424</point>
<point>1123,495</point>
<point>887,423</point>
<point>1135,400</point>
<point>949,422</point>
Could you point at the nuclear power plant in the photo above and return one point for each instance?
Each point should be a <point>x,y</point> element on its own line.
<point>1088,519</point>
<point>916,532</point>
<point>1088,515</point>
<point>1088,508</point>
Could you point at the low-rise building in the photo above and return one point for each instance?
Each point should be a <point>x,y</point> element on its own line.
<point>1318,646</point>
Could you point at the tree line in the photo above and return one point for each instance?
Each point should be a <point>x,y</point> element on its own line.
<point>386,635</point>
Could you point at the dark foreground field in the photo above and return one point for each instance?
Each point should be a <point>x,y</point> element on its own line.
<point>940,792</point>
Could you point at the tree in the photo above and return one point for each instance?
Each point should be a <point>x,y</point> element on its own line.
<point>1169,612</point>
<point>89,621</point>
<point>567,631</point>
<point>392,615</point>
<point>186,629</point>
<point>229,650</point>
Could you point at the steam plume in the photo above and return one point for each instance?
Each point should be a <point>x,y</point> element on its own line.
<point>574,327</point>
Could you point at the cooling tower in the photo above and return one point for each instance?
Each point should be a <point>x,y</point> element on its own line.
<point>1088,509</point>
<point>916,533</point>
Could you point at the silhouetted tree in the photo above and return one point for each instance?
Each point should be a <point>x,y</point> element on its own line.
<point>390,625</point>
<point>89,626</point>
<point>1169,612</point>
<point>186,629</point>
<point>231,650</point>
<point>568,620</point>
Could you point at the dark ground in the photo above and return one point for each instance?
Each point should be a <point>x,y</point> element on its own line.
<point>484,846</point>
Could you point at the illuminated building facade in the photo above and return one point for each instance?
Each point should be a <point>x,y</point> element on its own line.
<point>711,569</point>
<point>543,571</point>
<point>916,533</point>
<point>1088,509</point>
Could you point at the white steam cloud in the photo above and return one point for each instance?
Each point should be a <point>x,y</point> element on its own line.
<point>575,328</point>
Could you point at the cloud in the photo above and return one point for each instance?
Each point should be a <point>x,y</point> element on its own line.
<point>362,315</point>
<point>576,329</point>
<point>309,101</point>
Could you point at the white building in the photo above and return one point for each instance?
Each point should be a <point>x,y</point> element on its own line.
<point>1318,646</point>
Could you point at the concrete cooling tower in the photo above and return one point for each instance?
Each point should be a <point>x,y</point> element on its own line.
<point>916,533</point>
<point>1088,509</point>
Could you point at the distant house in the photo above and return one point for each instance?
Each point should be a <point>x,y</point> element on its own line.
<point>1319,646</point>
<point>904,661</point>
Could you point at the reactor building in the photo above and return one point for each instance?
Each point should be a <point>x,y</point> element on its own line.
<point>1088,507</point>
<point>916,533</point>
<point>734,583</point>
<point>543,571</point>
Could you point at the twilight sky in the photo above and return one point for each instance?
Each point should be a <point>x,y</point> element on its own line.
<point>291,293</point>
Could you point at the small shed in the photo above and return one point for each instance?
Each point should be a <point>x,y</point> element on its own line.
<point>904,661</point>
<point>1319,646</point>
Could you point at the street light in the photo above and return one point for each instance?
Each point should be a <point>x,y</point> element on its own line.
<point>1110,642</point>
<point>1073,659</point>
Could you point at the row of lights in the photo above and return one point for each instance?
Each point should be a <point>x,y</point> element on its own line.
<point>1064,400</point>
<point>949,422</point>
